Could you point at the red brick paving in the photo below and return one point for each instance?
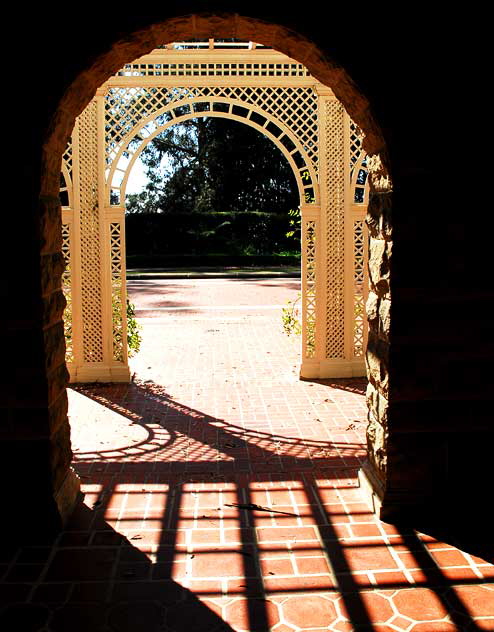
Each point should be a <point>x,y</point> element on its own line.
<point>221,494</point>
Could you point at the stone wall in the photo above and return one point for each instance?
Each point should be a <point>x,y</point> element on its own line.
<point>430,346</point>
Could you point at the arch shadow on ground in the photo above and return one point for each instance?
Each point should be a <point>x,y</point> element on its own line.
<point>128,559</point>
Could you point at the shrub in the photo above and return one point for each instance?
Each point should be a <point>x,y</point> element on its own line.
<point>134,338</point>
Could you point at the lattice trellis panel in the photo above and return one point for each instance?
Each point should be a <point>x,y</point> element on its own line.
<point>92,335</point>
<point>296,107</point>
<point>310,297</point>
<point>359,260</point>
<point>66,187</point>
<point>147,68</point>
<point>334,180</point>
<point>356,145</point>
<point>117,291</point>
<point>135,106</point>
<point>67,158</point>
<point>67,290</point>
<point>358,164</point>
<point>279,135</point>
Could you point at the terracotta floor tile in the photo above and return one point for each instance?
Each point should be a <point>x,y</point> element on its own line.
<point>204,587</point>
<point>420,604</point>
<point>309,611</point>
<point>312,565</point>
<point>365,530</point>
<point>437,626</point>
<point>216,416</point>
<point>239,613</point>
<point>221,564</point>
<point>393,577</point>
<point>479,600</point>
<point>486,571</point>
<point>362,557</point>
<point>305,583</point>
<point>452,557</point>
<point>277,566</point>
<point>290,534</point>
<point>485,624</point>
<point>378,606</point>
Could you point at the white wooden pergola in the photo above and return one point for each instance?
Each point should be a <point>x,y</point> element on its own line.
<point>258,87</point>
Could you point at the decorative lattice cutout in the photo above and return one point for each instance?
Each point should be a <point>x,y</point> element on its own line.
<point>147,68</point>
<point>67,159</point>
<point>92,336</point>
<point>334,180</point>
<point>358,165</point>
<point>356,145</point>
<point>117,291</point>
<point>126,108</point>
<point>67,290</point>
<point>358,287</point>
<point>310,288</point>
<point>66,176</point>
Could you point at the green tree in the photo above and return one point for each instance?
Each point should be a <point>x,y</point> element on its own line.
<point>214,164</point>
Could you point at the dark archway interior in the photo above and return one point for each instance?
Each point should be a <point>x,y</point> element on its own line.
<point>434,363</point>
<point>441,350</point>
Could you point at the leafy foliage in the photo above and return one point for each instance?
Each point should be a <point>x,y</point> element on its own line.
<point>134,338</point>
<point>216,164</point>
<point>290,319</point>
<point>289,315</point>
<point>294,223</point>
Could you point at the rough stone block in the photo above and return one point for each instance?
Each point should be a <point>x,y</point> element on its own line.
<point>57,413</point>
<point>377,361</point>
<point>377,448</point>
<point>372,308</point>
<point>385,316</point>
<point>53,307</point>
<point>60,454</point>
<point>57,381</point>
<point>50,220</point>
<point>379,272</point>
<point>54,343</point>
<point>52,267</point>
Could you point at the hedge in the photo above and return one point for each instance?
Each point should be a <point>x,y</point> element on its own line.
<point>215,233</point>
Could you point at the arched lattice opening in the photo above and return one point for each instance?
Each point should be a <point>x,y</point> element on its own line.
<point>271,93</point>
<point>153,126</point>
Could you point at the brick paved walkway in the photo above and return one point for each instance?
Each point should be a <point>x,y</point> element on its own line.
<point>221,494</point>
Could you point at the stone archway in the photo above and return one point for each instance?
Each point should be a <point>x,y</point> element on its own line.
<point>77,98</point>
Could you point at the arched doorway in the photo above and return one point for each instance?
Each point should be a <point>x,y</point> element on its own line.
<point>261,88</point>
<point>64,484</point>
<point>399,406</point>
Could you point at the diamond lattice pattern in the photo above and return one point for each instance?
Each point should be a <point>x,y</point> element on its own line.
<point>310,288</point>
<point>92,336</point>
<point>358,287</point>
<point>126,108</point>
<point>67,290</point>
<point>117,290</point>
<point>335,185</point>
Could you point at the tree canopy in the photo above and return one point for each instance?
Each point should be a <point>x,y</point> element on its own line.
<point>214,164</point>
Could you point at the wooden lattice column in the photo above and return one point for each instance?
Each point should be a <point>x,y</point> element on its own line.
<point>358,288</point>
<point>97,269</point>
<point>114,269</point>
<point>341,254</point>
<point>310,242</point>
